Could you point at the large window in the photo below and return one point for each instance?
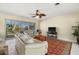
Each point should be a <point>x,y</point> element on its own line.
<point>28,27</point>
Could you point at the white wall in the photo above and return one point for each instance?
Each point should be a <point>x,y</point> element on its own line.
<point>64,26</point>
<point>3,17</point>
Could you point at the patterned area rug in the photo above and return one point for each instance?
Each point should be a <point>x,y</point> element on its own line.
<point>58,47</point>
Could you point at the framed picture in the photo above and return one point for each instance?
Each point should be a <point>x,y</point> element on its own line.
<point>28,27</point>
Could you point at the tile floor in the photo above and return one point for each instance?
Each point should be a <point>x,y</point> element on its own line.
<point>12,51</point>
<point>75,49</point>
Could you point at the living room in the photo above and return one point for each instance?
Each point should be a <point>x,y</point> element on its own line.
<point>21,18</point>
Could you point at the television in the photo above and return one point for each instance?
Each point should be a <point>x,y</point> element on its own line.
<point>52,29</point>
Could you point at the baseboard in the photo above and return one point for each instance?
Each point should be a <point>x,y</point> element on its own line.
<point>67,39</point>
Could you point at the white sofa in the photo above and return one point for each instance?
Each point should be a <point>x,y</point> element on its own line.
<point>30,46</point>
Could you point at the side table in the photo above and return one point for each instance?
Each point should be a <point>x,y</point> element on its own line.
<point>3,49</point>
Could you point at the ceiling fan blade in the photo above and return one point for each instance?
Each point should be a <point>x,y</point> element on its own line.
<point>33,16</point>
<point>43,14</point>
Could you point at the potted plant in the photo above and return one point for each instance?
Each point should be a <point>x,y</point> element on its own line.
<point>76,32</point>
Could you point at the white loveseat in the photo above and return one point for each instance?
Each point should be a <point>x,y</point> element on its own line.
<point>30,46</point>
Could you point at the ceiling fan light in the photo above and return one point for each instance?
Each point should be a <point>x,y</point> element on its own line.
<point>37,17</point>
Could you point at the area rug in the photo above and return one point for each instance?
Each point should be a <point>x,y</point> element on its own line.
<point>58,47</point>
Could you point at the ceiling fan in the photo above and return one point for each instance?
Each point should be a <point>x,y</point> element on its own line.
<point>38,14</point>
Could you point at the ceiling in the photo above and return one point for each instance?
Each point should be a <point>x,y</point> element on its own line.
<point>25,9</point>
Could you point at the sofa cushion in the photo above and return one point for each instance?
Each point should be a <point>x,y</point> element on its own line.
<point>26,38</point>
<point>30,41</point>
